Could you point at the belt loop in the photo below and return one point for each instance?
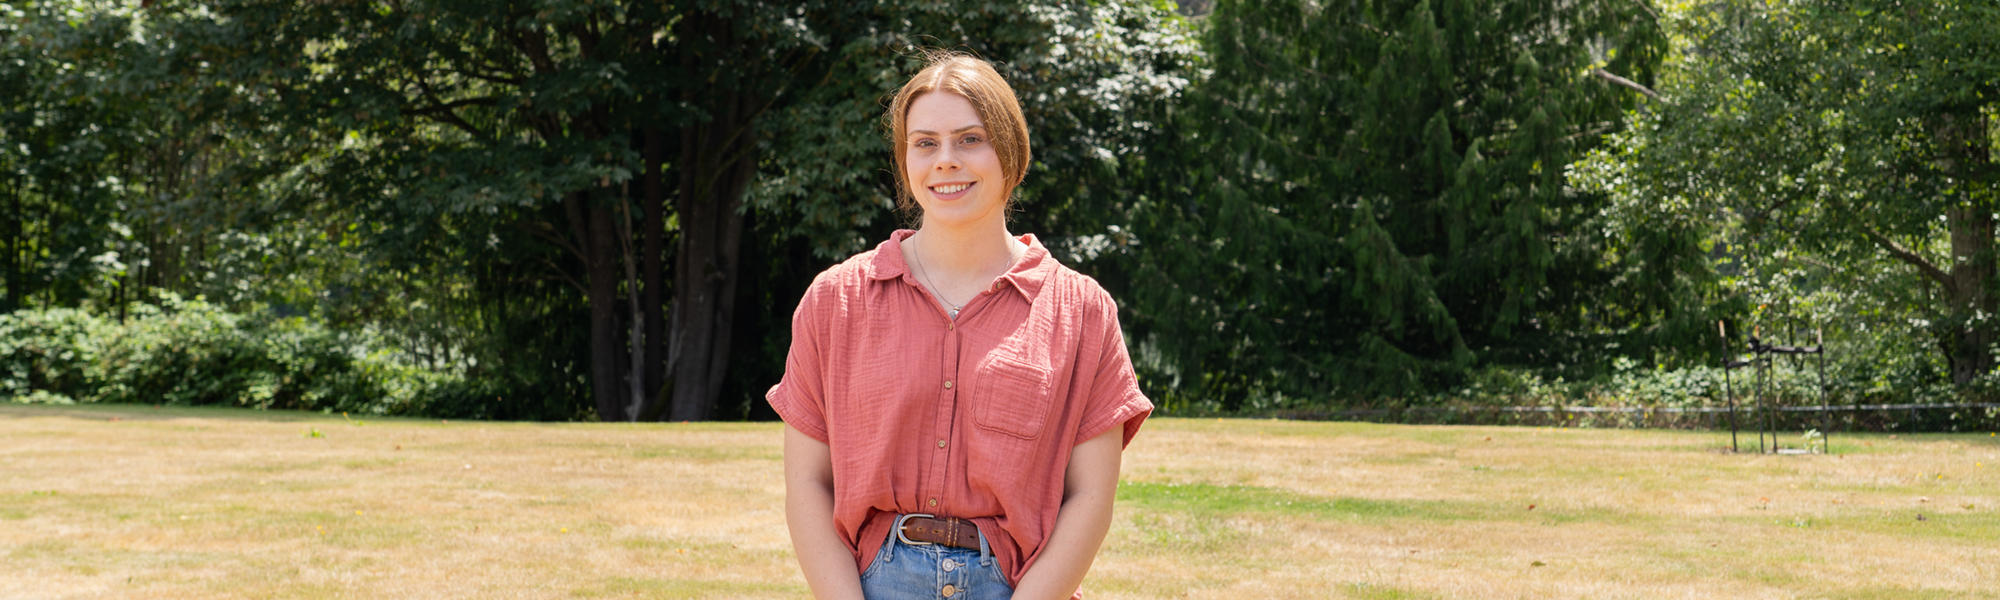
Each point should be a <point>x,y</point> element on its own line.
<point>985,552</point>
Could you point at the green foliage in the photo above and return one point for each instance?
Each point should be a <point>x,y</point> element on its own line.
<point>1837,161</point>
<point>196,353</point>
<point>1368,200</point>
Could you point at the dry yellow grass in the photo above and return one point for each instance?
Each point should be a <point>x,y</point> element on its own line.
<point>138,502</point>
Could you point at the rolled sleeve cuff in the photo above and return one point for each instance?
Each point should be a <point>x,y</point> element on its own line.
<point>1131,411</point>
<point>788,408</point>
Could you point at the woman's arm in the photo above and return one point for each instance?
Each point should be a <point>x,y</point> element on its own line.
<point>1089,484</point>
<point>825,560</point>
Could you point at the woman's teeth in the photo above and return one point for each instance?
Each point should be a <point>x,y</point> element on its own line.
<point>951,189</point>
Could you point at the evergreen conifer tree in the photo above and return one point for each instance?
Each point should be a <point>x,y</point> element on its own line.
<point>1368,198</point>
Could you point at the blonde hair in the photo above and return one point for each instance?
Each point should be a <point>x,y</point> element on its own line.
<point>976,81</point>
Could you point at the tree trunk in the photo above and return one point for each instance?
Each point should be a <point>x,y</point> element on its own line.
<point>720,157</point>
<point>11,263</point>
<point>654,270</point>
<point>1965,144</point>
<point>1972,275</point>
<point>599,243</point>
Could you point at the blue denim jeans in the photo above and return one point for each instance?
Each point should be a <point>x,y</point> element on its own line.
<point>934,572</point>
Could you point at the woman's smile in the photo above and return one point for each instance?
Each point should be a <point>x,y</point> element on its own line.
<point>951,191</point>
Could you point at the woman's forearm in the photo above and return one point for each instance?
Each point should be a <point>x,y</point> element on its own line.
<point>1089,485</point>
<point>825,560</point>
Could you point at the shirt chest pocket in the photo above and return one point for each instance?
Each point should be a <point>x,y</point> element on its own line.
<point>1014,397</point>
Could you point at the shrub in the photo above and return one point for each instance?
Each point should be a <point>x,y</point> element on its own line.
<point>193,353</point>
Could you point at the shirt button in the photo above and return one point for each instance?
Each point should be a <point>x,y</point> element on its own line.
<point>940,443</point>
<point>949,590</point>
<point>934,502</point>
<point>947,384</point>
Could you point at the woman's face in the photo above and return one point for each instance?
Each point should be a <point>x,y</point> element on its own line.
<point>950,162</point>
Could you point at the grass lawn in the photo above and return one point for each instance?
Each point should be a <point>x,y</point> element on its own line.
<point>139,502</point>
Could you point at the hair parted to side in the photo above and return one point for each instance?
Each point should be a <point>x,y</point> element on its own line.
<point>974,79</point>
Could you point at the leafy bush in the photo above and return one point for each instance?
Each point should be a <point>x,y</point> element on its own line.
<point>191,352</point>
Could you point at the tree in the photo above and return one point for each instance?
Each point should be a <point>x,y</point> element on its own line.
<point>67,138</point>
<point>1847,133</point>
<point>1368,198</point>
<point>596,143</point>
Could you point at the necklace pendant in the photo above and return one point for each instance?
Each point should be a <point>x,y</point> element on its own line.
<point>954,314</point>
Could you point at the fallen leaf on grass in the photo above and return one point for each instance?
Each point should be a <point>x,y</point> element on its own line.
<point>1537,564</point>
<point>1920,517</point>
<point>1531,507</point>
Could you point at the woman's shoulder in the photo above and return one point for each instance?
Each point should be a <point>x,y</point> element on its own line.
<point>847,273</point>
<point>850,278</point>
<point>1081,292</point>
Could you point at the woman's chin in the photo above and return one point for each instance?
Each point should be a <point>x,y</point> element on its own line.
<point>955,215</point>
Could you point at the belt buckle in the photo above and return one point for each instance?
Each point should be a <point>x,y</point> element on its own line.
<point>899,529</point>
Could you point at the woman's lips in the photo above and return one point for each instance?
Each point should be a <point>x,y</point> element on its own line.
<point>959,190</point>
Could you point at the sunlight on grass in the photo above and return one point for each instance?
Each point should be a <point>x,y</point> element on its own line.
<point>212,503</point>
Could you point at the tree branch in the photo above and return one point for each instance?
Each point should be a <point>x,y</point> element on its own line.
<point>445,112</point>
<point>561,276</point>
<point>550,237</point>
<point>491,78</point>
<point>1914,259</point>
<point>1607,76</point>
<point>449,106</point>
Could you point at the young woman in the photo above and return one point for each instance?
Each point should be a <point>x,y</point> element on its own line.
<point>955,401</point>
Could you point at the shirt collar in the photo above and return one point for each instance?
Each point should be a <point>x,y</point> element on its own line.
<point>1027,275</point>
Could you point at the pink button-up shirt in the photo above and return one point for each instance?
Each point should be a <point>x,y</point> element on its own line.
<point>973,418</point>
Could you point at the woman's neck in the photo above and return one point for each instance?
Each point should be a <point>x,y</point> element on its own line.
<point>971,250</point>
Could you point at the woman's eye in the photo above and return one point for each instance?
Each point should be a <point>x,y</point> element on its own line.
<point>970,139</point>
<point>925,143</point>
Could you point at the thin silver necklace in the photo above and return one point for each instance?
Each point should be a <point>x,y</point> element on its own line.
<point>926,273</point>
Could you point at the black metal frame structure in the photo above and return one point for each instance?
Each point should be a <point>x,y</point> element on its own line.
<point>1760,362</point>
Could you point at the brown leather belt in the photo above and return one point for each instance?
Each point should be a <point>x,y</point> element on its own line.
<point>918,530</point>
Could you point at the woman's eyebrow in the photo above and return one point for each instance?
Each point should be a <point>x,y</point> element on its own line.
<point>953,132</point>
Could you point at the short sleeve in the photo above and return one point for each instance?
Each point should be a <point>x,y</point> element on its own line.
<point>799,398</point>
<point>1113,391</point>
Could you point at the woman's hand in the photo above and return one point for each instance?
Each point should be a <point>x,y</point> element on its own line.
<point>1089,485</point>
<point>827,564</point>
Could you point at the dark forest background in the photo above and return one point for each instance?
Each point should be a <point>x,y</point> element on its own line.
<point>585,209</point>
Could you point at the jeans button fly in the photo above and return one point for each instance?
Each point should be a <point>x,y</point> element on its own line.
<point>949,590</point>
<point>949,564</point>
